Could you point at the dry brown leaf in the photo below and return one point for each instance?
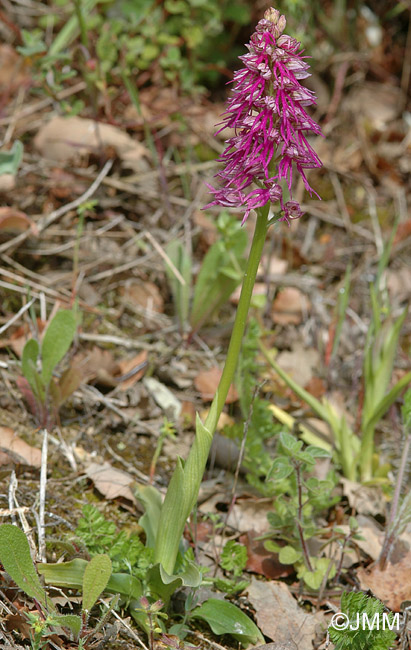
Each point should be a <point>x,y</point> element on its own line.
<point>393,585</point>
<point>279,617</point>
<point>399,283</point>
<point>71,138</point>
<point>126,366</point>
<point>250,514</point>
<point>17,450</point>
<point>143,294</point>
<point>375,102</point>
<point>14,220</point>
<point>97,365</point>
<point>289,306</point>
<point>207,382</point>
<point>261,561</point>
<point>111,482</point>
<point>276,266</point>
<point>13,73</point>
<point>299,363</point>
<point>365,500</point>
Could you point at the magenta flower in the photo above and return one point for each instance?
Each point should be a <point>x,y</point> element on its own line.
<point>266,111</point>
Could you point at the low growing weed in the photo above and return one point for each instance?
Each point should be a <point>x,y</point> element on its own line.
<point>44,392</point>
<point>356,453</point>
<point>220,274</point>
<point>46,620</point>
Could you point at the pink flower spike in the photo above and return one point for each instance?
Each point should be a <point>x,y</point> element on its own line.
<point>267,112</point>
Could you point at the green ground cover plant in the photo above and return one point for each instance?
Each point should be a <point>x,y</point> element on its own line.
<point>44,392</point>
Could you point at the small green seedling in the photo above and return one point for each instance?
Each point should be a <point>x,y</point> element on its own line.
<point>44,393</point>
<point>220,274</point>
<point>16,560</point>
<point>300,498</point>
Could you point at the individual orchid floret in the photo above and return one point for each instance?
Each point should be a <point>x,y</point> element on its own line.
<point>267,112</point>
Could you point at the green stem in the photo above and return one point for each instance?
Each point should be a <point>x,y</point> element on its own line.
<point>234,348</point>
<point>182,492</point>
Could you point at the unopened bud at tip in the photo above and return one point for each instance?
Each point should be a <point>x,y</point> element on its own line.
<point>279,22</point>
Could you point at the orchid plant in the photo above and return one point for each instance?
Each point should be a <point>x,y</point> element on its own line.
<point>267,112</point>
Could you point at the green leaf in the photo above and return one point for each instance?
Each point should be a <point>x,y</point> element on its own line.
<point>289,555</point>
<point>225,618</point>
<point>95,579</point>
<point>280,469</point>
<point>57,340</point>
<point>164,585</point>
<point>150,498</point>
<point>406,410</point>
<point>28,365</point>
<point>71,621</point>
<point>181,259</point>
<point>10,160</point>
<point>313,579</point>
<point>234,557</point>
<point>272,546</point>
<point>317,452</point>
<point>126,585</point>
<point>70,575</point>
<point>289,443</point>
<point>382,407</point>
<point>64,574</point>
<point>16,559</point>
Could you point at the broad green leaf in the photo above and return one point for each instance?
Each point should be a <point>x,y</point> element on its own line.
<point>172,520</point>
<point>164,585</point>
<point>272,546</point>
<point>126,585</point>
<point>181,259</point>
<point>95,579</point>
<point>57,340</point>
<point>313,579</point>
<point>289,555</point>
<point>16,559</point>
<point>182,493</point>
<point>317,452</point>
<point>150,498</point>
<point>71,621</point>
<point>28,365</point>
<point>70,575</point>
<point>225,618</point>
<point>289,443</point>
<point>10,160</point>
<point>280,469</point>
<point>64,574</point>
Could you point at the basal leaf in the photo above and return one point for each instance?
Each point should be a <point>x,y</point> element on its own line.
<point>95,579</point>
<point>28,365</point>
<point>10,160</point>
<point>71,621</point>
<point>16,559</point>
<point>289,555</point>
<point>70,575</point>
<point>57,340</point>
<point>225,618</point>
